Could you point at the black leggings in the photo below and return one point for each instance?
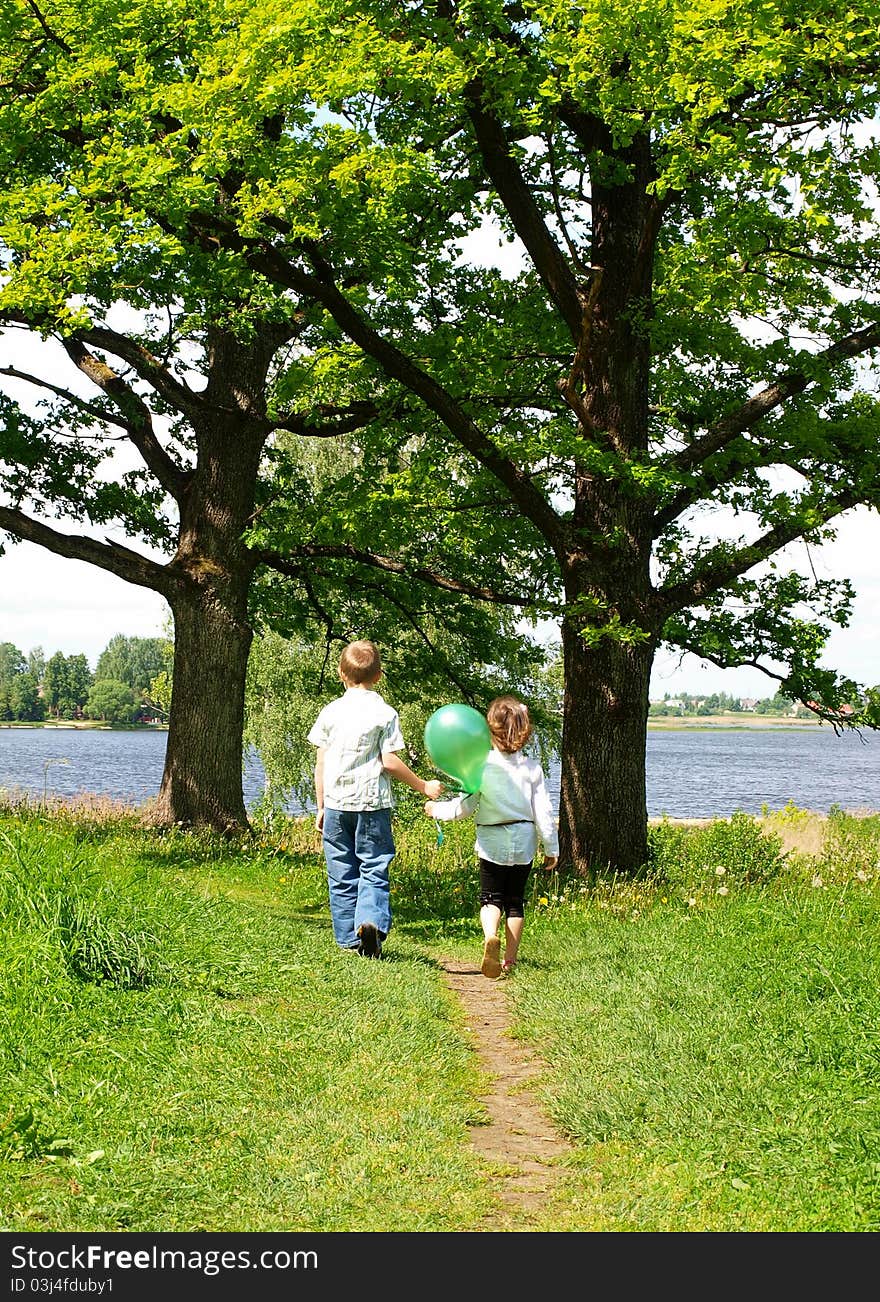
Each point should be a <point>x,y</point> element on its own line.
<point>504,885</point>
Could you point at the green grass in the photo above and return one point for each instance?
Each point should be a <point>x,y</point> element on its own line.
<point>183,1048</point>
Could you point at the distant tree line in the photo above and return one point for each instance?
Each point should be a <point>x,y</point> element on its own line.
<point>129,684</point>
<point>722,703</point>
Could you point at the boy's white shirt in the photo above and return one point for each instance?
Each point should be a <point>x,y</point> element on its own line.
<point>512,810</point>
<point>353,731</point>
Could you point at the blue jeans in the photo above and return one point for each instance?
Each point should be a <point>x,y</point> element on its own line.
<point>358,848</point>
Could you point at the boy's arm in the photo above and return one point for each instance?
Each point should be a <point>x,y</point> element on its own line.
<point>393,764</point>
<point>319,787</point>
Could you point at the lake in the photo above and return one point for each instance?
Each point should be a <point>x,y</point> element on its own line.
<point>692,773</point>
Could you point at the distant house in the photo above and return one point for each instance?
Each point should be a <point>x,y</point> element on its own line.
<point>748,703</point>
<point>845,711</point>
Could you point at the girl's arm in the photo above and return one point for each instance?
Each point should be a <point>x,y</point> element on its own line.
<point>447,810</point>
<point>545,823</point>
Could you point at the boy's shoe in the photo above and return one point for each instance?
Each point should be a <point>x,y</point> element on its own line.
<point>371,944</point>
<point>491,965</point>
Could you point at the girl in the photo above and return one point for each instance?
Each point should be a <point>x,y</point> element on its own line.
<point>513,815</point>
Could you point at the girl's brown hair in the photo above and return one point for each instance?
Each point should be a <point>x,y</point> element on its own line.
<point>509,723</point>
<point>360,662</point>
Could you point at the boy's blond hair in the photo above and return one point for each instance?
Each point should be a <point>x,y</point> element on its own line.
<point>509,723</point>
<point>360,662</point>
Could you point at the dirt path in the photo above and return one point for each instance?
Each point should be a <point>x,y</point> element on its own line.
<point>519,1138</point>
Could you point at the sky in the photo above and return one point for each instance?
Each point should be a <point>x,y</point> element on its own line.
<point>63,605</point>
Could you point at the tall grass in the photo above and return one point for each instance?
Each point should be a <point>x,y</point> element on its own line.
<point>182,1047</point>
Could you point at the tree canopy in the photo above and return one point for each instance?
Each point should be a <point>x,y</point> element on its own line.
<point>171,366</point>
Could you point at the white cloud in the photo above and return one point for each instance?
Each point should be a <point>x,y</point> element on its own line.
<point>68,606</point>
<point>855,651</point>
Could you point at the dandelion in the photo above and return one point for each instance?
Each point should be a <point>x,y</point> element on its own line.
<point>722,890</point>
<point>861,875</point>
<point>720,870</point>
<point>543,900</point>
<point>692,902</point>
<point>817,882</point>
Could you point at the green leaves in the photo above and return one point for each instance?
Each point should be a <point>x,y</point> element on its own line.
<point>781,621</point>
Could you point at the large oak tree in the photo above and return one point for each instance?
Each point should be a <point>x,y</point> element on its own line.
<point>163,375</point>
<point>693,327</point>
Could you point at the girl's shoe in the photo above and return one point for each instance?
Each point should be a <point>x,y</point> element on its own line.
<point>491,965</point>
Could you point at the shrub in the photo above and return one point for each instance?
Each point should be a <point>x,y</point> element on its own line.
<point>851,852</point>
<point>725,853</point>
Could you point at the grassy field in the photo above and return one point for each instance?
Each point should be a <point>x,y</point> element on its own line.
<point>182,1048</point>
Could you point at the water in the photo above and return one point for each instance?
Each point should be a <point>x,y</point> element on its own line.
<point>715,772</point>
<point>691,774</point>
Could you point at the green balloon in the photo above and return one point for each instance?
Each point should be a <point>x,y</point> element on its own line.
<point>457,739</point>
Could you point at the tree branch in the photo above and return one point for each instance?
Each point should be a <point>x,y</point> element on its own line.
<point>413,621</point>
<point>49,32</point>
<point>329,421</point>
<point>108,417</point>
<point>332,421</point>
<point>706,581</point>
<point>773,395</point>
<point>138,420</point>
<point>590,132</point>
<point>731,427</point>
<point>148,367</point>
<point>837,720</point>
<point>345,551</point>
<point>268,261</point>
<point>116,559</point>
<point>519,201</point>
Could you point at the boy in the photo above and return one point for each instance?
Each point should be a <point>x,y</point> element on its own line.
<point>357,737</point>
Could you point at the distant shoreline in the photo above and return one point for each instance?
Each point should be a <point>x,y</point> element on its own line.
<point>731,722</point>
<point>751,722</point>
<point>84,725</point>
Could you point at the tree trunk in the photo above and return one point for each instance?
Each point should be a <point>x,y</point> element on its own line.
<point>210,579</point>
<point>603,821</point>
<point>610,628</point>
<point>202,781</point>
